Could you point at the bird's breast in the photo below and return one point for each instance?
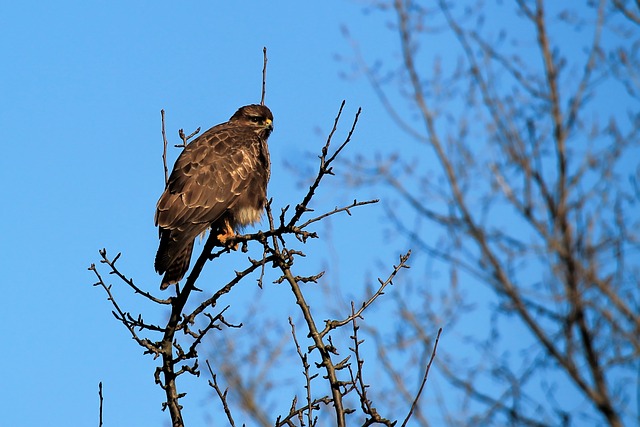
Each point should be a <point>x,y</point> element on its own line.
<point>247,215</point>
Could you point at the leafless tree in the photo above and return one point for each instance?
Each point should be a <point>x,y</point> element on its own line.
<point>522,128</point>
<point>334,386</point>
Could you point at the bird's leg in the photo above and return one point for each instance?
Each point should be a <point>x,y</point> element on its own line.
<point>226,234</point>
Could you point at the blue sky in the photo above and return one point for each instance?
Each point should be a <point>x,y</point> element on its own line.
<point>82,84</point>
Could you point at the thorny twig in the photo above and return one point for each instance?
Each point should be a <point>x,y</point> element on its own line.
<point>115,271</point>
<point>358,382</point>
<point>333,324</point>
<point>308,377</point>
<point>122,316</point>
<point>297,412</point>
<point>222,395</point>
<point>325,164</point>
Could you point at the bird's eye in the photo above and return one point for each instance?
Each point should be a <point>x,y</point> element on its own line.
<point>255,119</point>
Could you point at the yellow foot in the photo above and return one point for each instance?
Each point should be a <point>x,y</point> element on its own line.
<point>227,233</point>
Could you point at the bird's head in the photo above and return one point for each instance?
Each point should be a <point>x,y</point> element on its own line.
<point>255,116</point>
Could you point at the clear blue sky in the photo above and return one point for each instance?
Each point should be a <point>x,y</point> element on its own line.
<point>81,88</point>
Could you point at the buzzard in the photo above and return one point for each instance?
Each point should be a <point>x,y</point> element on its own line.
<point>218,181</point>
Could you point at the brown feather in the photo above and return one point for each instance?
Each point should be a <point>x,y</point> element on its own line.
<point>222,174</point>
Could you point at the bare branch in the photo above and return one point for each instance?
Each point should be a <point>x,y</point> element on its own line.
<point>164,150</point>
<point>221,395</point>
<point>424,380</point>
<point>186,138</point>
<point>333,324</point>
<point>307,375</point>
<point>264,75</point>
<point>325,165</point>
<point>136,289</point>
<point>101,402</point>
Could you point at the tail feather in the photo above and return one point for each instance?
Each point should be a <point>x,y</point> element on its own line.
<point>163,256</point>
<point>173,259</point>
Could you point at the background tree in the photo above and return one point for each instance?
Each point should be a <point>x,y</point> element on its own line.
<point>526,193</point>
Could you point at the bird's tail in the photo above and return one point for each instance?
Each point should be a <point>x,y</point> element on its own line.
<point>173,259</point>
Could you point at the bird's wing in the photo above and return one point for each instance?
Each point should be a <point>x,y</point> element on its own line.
<point>207,178</point>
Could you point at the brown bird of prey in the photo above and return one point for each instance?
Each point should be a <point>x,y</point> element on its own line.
<point>220,182</point>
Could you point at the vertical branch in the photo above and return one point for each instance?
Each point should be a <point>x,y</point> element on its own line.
<point>327,363</point>
<point>580,94</point>
<point>305,366</point>
<point>101,401</point>
<point>551,74</point>
<point>264,74</point>
<point>164,150</point>
<point>600,394</point>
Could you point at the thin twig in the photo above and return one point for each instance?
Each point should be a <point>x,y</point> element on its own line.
<point>101,401</point>
<point>293,412</point>
<point>132,285</point>
<point>358,382</point>
<point>336,210</point>
<point>264,74</point>
<point>121,315</point>
<point>221,395</point>
<point>325,162</point>
<point>308,378</point>
<point>424,379</point>
<point>164,150</point>
<point>333,324</point>
<point>185,138</point>
<point>211,302</point>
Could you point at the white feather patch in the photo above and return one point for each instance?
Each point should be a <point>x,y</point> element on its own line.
<point>248,216</point>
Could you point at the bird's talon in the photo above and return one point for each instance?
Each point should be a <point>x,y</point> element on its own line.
<point>224,238</point>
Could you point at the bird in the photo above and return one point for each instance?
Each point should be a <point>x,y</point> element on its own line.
<point>218,182</point>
